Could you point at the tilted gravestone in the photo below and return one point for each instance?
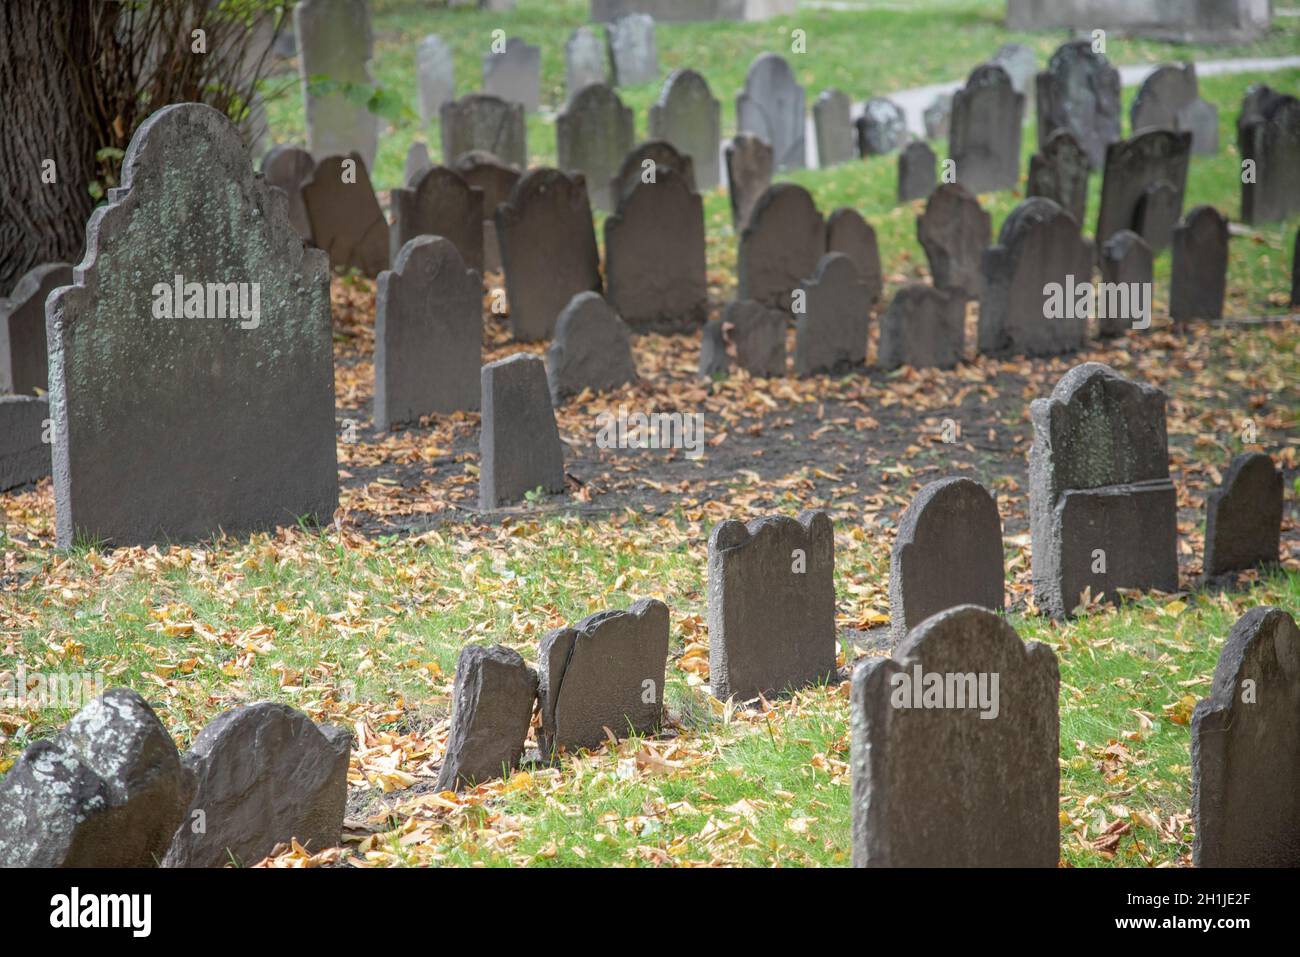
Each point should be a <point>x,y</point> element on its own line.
<point>592,349</point>
<point>24,361</point>
<point>954,748</point>
<point>632,51</point>
<point>955,232</point>
<point>847,232</point>
<point>1025,306</point>
<point>780,246</point>
<point>492,707</point>
<point>834,127</point>
<point>1079,91</point>
<point>226,346</point>
<point>1243,516</point>
<point>289,167</point>
<point>440,203</point>
<point>548,249</point>
<point>1169,100</point>
<point>519,444</point>
<point>882,127</point>
<point>924,328</point>
<point>514,74</point>
<point>603,676</point>
<point>948,552</point>
<point>1102,510</point>
<point>771,595</point>
<point>428,334</point>
<point>592,136</point>
<point>831,329</point>
<point>687,116</point>
<point>1199,275</point>
<point>496,179</point>
<point>1127,263</point>
<point>436,75</point>
<point>1059,171</point>
<point>345,217</point>
<point>1143,184</point>
<point>1246,748</point>
<point>984,141</point>
<point>916,171</point>
<point>645,162</point>
<point>417,161</point>
<point>335,42</point>
<point>484,123</point>
<point>749,174</point>
<point>1268,136</point>
<point>772,107</point>
<point>24,449</point>
<point>584,60</point>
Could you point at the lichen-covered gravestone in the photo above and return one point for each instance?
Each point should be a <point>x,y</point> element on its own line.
<point>346,220</point>
<point>1102,510</point>
<point>923,327</point>
<point>687,115</point>
<point>439,202</point>
<point>1198,278</point>
<point>916,171</point>
<point>436,74</point>
<point>831,326</point>
<point>645,162</point>
<point>496,179</point>
<point>479,122</point>
<point>1127,262</point>
<point>632,51</point>
<point>584,60</point>
<point>955,232</point>
<point>1268,136</point>
<point>1143,184</point>
<point>1169,100</point>
<point>592,349</point>
<point>1079,91</point>
<point>514,74</point>
<point>1243,516</point>
<point>780,246</point>
<point>191,366</point>
<point>519,444</point>
<point>749,174</point>
<point>834,128</point>
<point>492,706</point>
<point>847,232</point>
<point>288,167</point>
<point>1246,748</point>
<point>592,136</point>
<point>335,42</point>
<point>24,360</point>
<point>772,108</point>
<point>882,127</point>
<point>984,138</point>
<point>604,675</point>
<point>24,445</point>
<point>1059,171</point>
<point>771,594</point>
<point>954,748</point>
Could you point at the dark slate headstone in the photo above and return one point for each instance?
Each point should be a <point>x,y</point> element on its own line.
<point>491,709</point>
<point>834,127</point>
<point>780,246</point>
<point>645,162</point>
<point>984,142</point>
<point>1243,516</point>
<point>632,50</point>
<point>1126,259</point>
<point>592,349</point>
<point>924,328</point>
<point>604,675</point>
<point>916,171</point>
<point>882,127</point>
<point>772,108</point>
<point>519,444</point>
<point>288,167</point>
<point>1102,510</point>
<point>655,256</point>
<point>548,249</point>
<point>171,429</point>
<point>24,364</point>
<point>592,136</point>
<point>847,232</point>
<point>335,41</point>
<point>428,334</point>
<point>440,203</point>
<point>1039,246</point>
<point>1079,91</point>
<point>955,232</point>
<point>1268,134</point>
<point>514,74</point>
<point>687,116</point>
<point>1059,171</point>
<point>771,596</point>
<point>1198,278</point>
<point>749,174</point>
<point>24,454</point>
<point>949,769</point>
<point>1169,100</point>
<point>484,123</point>
<point>938,117</point>
<point>496,179</point>
<point>417,161</point>
<point>436,76</point>
<point>345,217</point>
<point>266,774</point>
<point>831,331</point>
<point>1149,168</point>
<point>585,60</point>
<point>758,332</point>
<point>108,791</point>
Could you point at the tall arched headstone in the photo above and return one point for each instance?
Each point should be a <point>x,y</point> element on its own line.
<point>772,106</point>
<point>687,116</point>
<point>335,42</point>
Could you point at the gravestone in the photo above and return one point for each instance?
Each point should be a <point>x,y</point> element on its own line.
<point>924,328</point>
<point>265,774</point>
<point>882,127</point>
<point>1126,259</point>
<point>632,51</point>
<point>228,423</point>
<point>687,116</point>
<point>519,444</point>
<point>955,232</point>
<point>548,249</point>
<point>1246,748</point>
<point>831,330</point>
<point>644,163</point>
<point>1059,171</point>
<point>440,203</point>
<point>24,364</point>
<point>1199,275</point>
<point>1020,64</point>
<point>584,60</point>
<point>847,232</point>
<point>592,349</point>
<point>1169,100</point>
<point>714,358</point>
<point>771,595</point>
<point>984,142</point>
<point>749,174</point>
<point>1143,185</point>
<point>484,123</point>
<point>484,171</point>
<point>1079,91</point>
<point>950,769</point>
<point>492,706</point>
<point>417,161</point>
<point>758,333</point>
<point>771,107</point>
<point>592,136</point>
<point>1102,510</point>
<point>1268,135</point>
<point>1040,251</point>
<point>938,117</point>
<point>428,334</point>
<point>289,167</point>
<point>1216,22</point>
<point>603,676</point>
<point>344,214</point>
<point>1295,271</point>
<point>334,41</point>
<point>916,171</point>
<point>514,74</point>
<point>834,126</point>
<point>24,453</point>
<point>436,75</point>
<point>1243,516</point>
<point>780,246</point>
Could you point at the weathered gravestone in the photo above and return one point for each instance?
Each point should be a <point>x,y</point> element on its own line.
<point>519,444</point>
<point>592,135</point>
<point>1268,136</point>
<point>714,358</point>
<point>834,127</point>
<point>1020,64</point>
<point>1168,100</point>
<point>645,162</point>
<point>223,338</point>
<point>882,127</point>
<point>954,748</point>
<point>489,124</point>
<point>1243,516</point>
<point>1027,306</point>
<point>687,116</point>
<point>1102,509</point>
<point>924,328</point>
<point>440,203</point>
<point>592,349</point>
<point>632,51</point>
<point>955,232</point>
<point>335,42</point>
<point>948,552</point>
<point>916,171</point>
<point>492,706</point>
<point>1079,91</point>
<point>603,676</point>
<point>266,774</point>
<point>780,246</point>
<point>771,615</point>
<point>548,249</point>
<point>109,790</point>
<point>1199,275</point>
<point>749,174</point>
<point>428,334</point>
<point>496,179</point>
<point>344,214</point>
<point>24,451</point>
<point>1127,263</point>
<point>436,75</point>
<point>24,363</point>
<point>757,334</point>
<point>417,161</point>
<point>1142,186</point>
<point>1246,748</point>
<point>847,232</point>
<point>289,167</point>
<point>584,60</point>
<point>831,329</point>
<point>514,74</point>
<point>772,108</point>
<point>938,117</point>
<point>984,142</point>
<point>1059,171</point>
